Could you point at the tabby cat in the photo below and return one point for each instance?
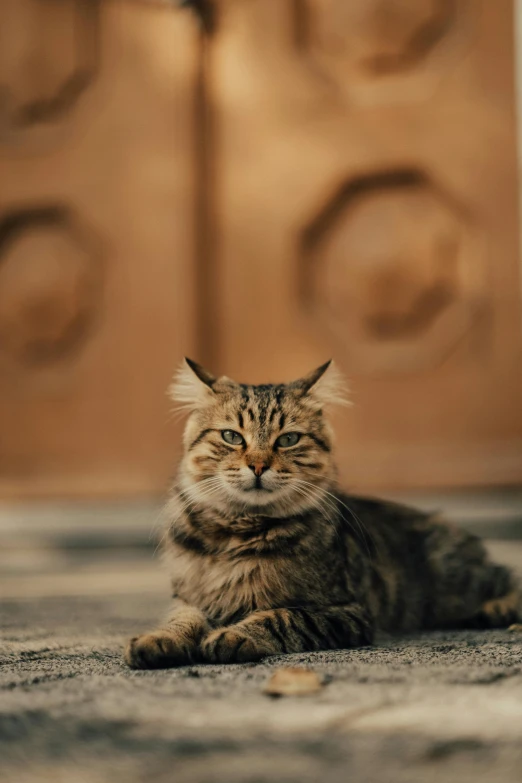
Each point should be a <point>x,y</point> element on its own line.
<point>268,556</point>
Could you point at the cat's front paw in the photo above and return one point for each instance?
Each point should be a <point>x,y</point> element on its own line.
<point>233,645</point>
<point>158,650</point>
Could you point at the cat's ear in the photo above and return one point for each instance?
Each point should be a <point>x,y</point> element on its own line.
<point>324,386</point>
<point>192,386</point>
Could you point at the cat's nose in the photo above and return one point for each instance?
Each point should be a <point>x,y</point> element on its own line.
<point>258,468</point>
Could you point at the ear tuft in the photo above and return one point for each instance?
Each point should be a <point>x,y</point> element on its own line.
<point>192,386</point>
<point>325,386</point>
<point>201,373</point>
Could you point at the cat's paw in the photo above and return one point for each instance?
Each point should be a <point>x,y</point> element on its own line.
<point>233,645</point>
<point>158,650</point>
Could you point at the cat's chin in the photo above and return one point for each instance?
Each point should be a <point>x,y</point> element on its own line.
<point>275,502</point>
<point>257,498</point>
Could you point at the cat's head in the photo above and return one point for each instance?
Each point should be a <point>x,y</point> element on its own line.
<point>257,449</point>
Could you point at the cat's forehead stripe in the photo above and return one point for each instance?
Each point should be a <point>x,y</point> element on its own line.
<point>261,403</point>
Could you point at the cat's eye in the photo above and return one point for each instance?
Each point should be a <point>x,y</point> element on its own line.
<point>232,438</point>
<point>287,440</point>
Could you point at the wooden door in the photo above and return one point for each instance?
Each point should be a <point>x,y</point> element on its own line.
<point>366,209</point>
<point>96,242</point>
<point>305,179</point>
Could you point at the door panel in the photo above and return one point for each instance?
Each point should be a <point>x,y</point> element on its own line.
<point>96,243</point>
<point>49,55</point>
<point>367,209</point>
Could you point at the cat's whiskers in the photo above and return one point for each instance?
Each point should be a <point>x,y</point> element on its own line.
<point>211,484</point>
<point>198,495</point>
<point>333,502</point>
<point>321,505</point>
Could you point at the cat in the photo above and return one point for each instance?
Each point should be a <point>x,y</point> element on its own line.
<point>268,556</point>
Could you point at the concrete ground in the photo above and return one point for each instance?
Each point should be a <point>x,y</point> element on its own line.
<point>442,706</point>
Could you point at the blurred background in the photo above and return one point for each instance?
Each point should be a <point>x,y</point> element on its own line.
<point>260,185</point>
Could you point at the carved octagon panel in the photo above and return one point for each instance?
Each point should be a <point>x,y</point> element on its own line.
<point>50,285</point>
<point>383,48</point>
<point>393,268</point>
<point>48,56</point>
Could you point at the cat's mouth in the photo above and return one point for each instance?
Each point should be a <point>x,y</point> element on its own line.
<point>258,488</point>
<point>259,493</point>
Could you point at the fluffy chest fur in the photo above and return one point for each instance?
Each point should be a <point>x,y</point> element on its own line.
<point>229,571</point>
<point>225,590</point>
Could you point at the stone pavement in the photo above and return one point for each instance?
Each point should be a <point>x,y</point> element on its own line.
<point>442,706</point>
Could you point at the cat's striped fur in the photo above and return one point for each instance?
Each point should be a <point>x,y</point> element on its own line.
<point>268,556</point>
